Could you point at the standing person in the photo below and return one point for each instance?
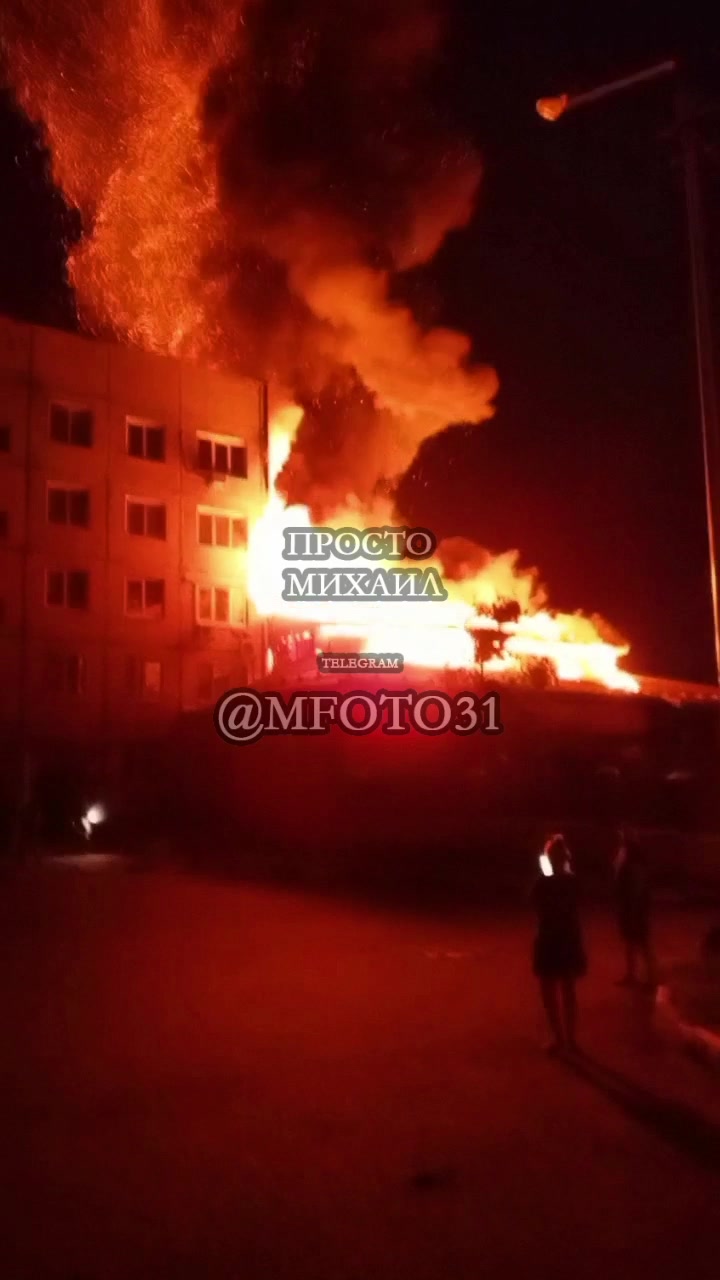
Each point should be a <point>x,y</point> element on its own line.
<point>633,904</point>
<point>559,954</point>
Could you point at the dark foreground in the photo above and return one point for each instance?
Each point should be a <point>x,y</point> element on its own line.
<point>201,1079</point>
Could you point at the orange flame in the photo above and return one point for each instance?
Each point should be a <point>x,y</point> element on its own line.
<point>118,86</point>
<point>429,633</point>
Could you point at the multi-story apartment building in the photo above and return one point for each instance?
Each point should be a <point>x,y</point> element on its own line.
<point>127,482</point>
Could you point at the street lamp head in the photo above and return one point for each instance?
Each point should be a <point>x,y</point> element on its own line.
<point>552,108</point>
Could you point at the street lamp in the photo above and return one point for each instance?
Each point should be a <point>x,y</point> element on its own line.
<point>552,109</point>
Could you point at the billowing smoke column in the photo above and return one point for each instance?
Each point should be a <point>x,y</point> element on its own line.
<point>253,179</point>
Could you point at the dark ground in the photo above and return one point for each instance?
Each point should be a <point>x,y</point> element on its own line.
<point>205,1079</point>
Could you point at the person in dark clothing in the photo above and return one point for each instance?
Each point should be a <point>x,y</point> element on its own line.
<point>633,904</point>
<point>559,957</point>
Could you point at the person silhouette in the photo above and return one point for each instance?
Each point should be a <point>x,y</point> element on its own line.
<point>633,904</point>
<point>559,957</point>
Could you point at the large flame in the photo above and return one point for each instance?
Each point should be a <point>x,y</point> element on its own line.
<point>428,633</point>
<point>252,179</point>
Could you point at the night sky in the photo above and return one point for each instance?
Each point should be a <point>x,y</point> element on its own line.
<point>572,281</point>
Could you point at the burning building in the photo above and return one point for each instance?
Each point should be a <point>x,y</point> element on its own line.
<point>260,186</point>
<point>128,483</point>
<point>247,208</point>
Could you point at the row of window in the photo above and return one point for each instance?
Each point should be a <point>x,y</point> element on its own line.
<point>224,455</point>
<point>71,506</point>
<point>144,597</point>
<point>67,673</point>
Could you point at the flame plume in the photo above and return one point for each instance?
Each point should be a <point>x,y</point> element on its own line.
<point>254,178</point>
<point>228,219</point>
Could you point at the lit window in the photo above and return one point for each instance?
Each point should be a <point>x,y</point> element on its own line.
<point>67,588</point>
<point>71,426</point>
<point>68,506</point>
<point>214,605</point>
<point>147,519</point>
<point>205,529</point>
<point>145,440</point>
<point>223,454</point>
<point>145,597</point>
<point>222,604</point>
<point>221,528</point>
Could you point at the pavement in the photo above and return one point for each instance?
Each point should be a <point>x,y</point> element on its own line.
<point>205,1079</point>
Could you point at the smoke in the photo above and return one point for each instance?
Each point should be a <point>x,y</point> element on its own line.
<point>254,179</point>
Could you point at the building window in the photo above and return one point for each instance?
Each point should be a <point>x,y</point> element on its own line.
<point>221,528</point>
<point>68,506</point>
<point>71,426</point>
<point>147,519</point>
<point>223,454</point>
<point>64,673</point>
<point>213,606</point>
<point>4,524</point>
<point>145,597</point>
<point>210,682</point>
<point>68,588</point>
<point>143,679</point>
<point>145,440</point>
<point>4,438</point>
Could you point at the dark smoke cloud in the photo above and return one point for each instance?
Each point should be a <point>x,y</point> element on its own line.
<point>334,163</point>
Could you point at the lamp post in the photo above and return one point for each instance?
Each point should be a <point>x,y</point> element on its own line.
<point>552,109</point>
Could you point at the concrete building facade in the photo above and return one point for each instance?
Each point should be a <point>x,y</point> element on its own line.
<point>127,485</point>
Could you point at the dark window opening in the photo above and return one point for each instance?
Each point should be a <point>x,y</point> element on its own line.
<point>64,673</point>
<point>69,506</point>
<point>222,456</point>
<point>155,522</point>
<point>145,596</point>
<point>145,441</point>
<point>147,519</point>
<point>238,462</point>
<point>71,589</point>
<point>135,440</point>
<point>71,426</point>
<point>205,530</point>
<point>78,589</point>
<point>155,593</point>
<point>204,455</point>
<point>155,443</point>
